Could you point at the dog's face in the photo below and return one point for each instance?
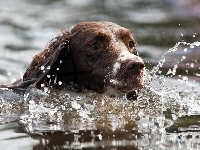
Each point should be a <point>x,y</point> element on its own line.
<point>107,52</point>
<point>99,56</point>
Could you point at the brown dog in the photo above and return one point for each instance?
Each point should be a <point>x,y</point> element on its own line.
<point>98,56</point>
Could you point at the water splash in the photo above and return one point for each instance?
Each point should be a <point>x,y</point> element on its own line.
<point>165,100</point>
<point>161,102</point>
<point>163,88</point>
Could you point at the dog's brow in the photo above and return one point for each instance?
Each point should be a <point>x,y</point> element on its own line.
<point>101,34</point>
<point>124,32</point>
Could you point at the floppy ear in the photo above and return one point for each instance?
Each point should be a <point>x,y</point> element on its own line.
<point>47,62</point>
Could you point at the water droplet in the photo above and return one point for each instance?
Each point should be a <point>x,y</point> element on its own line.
<point>185,78</point>
<point>185,49</point>
<point>100,136</point>
<point>183,57</point>
<point>75,105</point>
<point>78,98</point>
<point>197,74</point>
<point>191,46</point>
<point>48,67</point>
<point>9,73</point>
<point>42,67</point>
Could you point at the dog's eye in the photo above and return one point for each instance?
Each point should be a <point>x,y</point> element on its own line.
<point>131,44</point>
<point>95,46</point>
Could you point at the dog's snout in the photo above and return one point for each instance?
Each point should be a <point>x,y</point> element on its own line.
<point>134,66</point>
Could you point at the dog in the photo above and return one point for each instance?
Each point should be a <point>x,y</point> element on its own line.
<point>94,55</point>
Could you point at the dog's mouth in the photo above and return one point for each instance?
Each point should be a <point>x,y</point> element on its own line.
<point>126,82</point>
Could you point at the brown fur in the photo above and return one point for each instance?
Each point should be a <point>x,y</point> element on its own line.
<point>85,55</point>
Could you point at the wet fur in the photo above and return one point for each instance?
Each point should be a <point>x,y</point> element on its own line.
<point>73,53</point>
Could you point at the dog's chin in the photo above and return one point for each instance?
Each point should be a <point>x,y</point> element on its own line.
<point>116,87</point>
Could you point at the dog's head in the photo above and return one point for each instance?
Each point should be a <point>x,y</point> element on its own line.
<point>99,56</point>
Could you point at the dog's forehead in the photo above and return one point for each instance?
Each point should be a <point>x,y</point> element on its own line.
<point>99,27</point>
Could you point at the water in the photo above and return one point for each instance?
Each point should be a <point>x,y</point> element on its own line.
<point>167,111</point>
<point>166,114</point>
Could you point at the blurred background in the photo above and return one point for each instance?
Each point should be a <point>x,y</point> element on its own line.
<point>26,26</point>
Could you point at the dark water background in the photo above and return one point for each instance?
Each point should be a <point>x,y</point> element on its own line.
<point>26,26</point>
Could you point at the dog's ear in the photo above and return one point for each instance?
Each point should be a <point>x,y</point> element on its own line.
<point>46,64</point>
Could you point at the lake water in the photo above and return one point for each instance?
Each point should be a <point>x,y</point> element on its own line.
<point>167,113</point>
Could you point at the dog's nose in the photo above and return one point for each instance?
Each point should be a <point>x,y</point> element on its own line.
<point>134,66</point>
